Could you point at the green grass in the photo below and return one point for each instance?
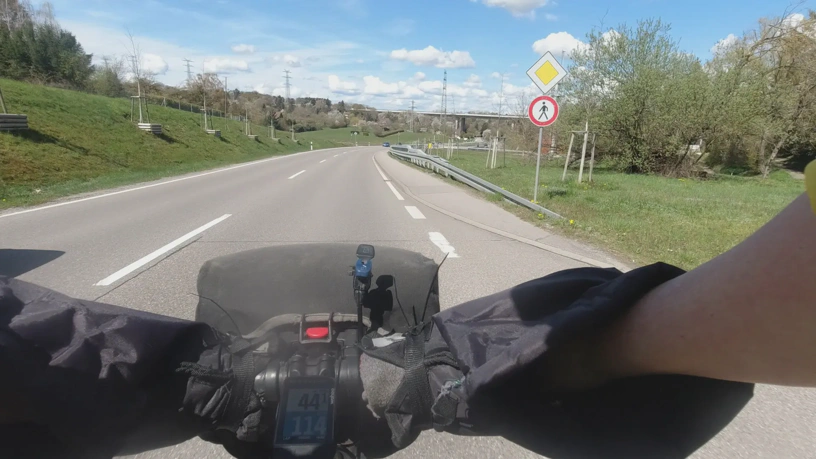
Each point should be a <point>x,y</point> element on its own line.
<point>79,142</point>
<point>684,222</point>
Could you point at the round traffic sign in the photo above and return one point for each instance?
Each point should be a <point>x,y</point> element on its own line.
<point>543,111</point>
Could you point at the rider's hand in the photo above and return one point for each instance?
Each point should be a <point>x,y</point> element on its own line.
<point>413,384</point>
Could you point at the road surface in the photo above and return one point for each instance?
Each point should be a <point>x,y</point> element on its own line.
<point>142,246</point>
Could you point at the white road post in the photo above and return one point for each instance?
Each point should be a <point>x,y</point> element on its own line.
<point>583,152</point>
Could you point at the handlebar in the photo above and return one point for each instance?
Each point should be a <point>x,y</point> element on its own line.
<point>311,387</point>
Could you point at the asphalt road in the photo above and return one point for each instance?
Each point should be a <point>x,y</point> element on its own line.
<point>142,246</point>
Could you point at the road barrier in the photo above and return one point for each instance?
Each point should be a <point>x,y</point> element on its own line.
<point>13,122</point>
<point>214,132</point>
<point>151,128</point>
<point>443,167</point>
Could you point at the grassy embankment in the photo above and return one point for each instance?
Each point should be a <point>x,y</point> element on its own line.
<point>80,142</point>
<point>644,218</point>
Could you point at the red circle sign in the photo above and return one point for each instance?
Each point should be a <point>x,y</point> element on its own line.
<point>543,111</point>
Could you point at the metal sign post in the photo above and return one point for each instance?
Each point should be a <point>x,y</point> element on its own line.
<point>538,164</point>
<point>543,111</point>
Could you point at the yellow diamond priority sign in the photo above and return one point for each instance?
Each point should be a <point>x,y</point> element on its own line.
<point>546,73</point>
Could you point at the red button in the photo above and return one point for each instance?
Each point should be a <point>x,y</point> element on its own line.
<point>317,332</point>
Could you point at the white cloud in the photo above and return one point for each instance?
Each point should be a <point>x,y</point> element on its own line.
<point>346,88</point>
<point>243,49</point>
<point>431,56</point>
<point>518,8</point>
<point>287,59</point>
<point>154,64</point>
<point>419,76</point>
<point>557,43</point>
<point>496,75</point>
<point>473,81</point>
<point>550,17</point>
<point>793,20</point>
<point>610,35</point>
<point>225,65</point>
<point>724,44</point>
<point>376,87</point>
<point>431,87</point>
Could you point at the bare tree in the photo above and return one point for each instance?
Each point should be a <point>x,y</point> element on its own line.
<point>136,69</point>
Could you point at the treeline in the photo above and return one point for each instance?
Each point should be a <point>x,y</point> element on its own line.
<point>658,109</point>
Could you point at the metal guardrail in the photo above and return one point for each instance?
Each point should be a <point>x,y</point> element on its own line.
<point>443,167</point>
<point>10,122</point>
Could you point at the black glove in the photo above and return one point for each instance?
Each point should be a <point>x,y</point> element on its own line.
<point>91,380</point>
<point>483,368</point>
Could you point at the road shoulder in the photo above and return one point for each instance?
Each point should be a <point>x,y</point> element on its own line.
<point>471,208</point>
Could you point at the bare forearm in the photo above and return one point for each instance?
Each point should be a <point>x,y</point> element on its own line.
<point>747,315</point>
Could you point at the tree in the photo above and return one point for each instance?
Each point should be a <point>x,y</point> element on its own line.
<point>108,77</point>
<point>34,47</point>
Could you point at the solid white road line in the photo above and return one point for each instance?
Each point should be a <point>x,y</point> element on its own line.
<point>382,174</point>
<point>321,162</point>
<point>416,213</point>
<point>304,170</point>
<point>152,256</point>
<point>396,193</point>
<point>51,206</point>
<point>439,240</point>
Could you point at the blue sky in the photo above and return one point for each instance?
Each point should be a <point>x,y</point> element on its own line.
<point>384,53</point>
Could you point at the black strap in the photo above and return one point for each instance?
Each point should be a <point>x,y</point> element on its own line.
<point>416,376</point>
<point>243,367</point>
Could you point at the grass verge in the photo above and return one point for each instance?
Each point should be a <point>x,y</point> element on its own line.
<point>684,222</point>
<point>80,142</point>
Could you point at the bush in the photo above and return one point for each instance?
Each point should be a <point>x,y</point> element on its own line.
<point>44,53</point>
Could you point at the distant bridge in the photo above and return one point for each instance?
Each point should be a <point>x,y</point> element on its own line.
<point>458,118</point>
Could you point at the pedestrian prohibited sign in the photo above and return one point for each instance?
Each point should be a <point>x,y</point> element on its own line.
<point>543,111</point>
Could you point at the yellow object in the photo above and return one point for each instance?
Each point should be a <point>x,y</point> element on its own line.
<point>546,73</point>
<point>810,183</point>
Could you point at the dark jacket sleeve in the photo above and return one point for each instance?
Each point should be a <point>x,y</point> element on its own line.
<point>85,379</point>
<point>503,341</point>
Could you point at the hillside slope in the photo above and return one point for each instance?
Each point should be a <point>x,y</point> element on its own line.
<point>80,142</point>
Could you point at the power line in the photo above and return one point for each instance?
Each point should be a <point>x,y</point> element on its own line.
<point>189,72</point>
<point>412,116</point>
<point>501,94</point>
<point>444,101</point>
<point>288,86</point>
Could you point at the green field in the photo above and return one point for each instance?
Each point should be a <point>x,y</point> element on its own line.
<point>641,217</point>
<point>79,142</point>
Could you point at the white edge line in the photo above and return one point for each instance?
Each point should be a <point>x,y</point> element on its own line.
<point>156,254</point>
<point>382,174</point>
<point>416,213</point>
<point>304,170</point>
<point>439,240</point>
<point>396,193</point>
<point>90,198</point>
